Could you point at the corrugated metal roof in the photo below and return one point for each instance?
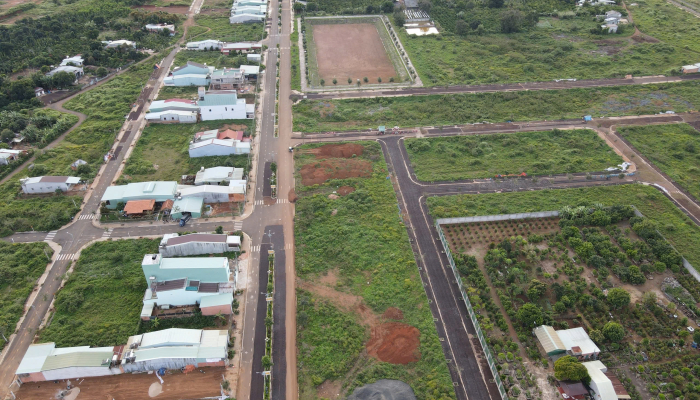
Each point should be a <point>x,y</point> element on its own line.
<point>171,337</point>
<point>166,352</point>
<point>549,339</point>
<point>216,300</point>
<point>211,352</point>
<point>197,237</point>
<point>208,287</point>
<point>602,383</point>
<point>214,338</point>
<point>188,204</point>
<point>34,358</point>
<point>577,337</point>
<point>218,100</point>
<point>80,358</point>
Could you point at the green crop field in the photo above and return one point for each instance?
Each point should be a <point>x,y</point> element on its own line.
<point>378,269</point>
<point>671,222</point>
<point>535,153</point>
<point>161,153</point>
<point>21,265</point>
<point>556,48</point>
<point>435,110</point>
<point>672,148</point>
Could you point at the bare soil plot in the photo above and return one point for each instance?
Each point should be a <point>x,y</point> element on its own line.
<point>337,162</point>
<point>351,51</point>
<point>194,385</point>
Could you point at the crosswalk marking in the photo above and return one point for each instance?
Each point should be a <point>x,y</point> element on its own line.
<point>255,249</point>
<point>86,216</point>
<point>282,201</point>
<point>50,236</point>
<point>237,226</point>
<point>288,246</point>
<point>62,257</point>
<point>259,202</point>
<point>107,233</point>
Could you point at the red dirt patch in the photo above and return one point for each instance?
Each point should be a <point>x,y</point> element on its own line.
<point>345,190</point>
<point>351,51</point>
<point>346,150</point>
<point>395,343</point>
<point>321,171</point>
<point>393,313</point>
<point>171,9</point>
<point>292,196</point>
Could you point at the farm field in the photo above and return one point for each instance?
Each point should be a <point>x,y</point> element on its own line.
<point>672,148</point>
<point>560,267</point>
<point>555,48</point>
<point>535,153</point>
<point>161,153</point>
<point>22,265</point>
<point>353,48</point>
<point>435,110</point>
<point>363,316</point>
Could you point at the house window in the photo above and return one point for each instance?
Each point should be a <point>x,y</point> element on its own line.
<point>210,110</point>
<point>225,108</point>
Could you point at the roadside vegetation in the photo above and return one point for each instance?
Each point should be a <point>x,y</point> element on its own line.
<point>22,265</point>
<point>161,153</point>
<point>680,231</point>
<point>340,301</point>
<point>673,148</point>
<point>222,29</point>
<point>211,58</point>
<point>296,68</point>
<point>535,153</point>
<point>436,110</point>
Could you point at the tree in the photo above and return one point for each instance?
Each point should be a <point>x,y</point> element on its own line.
<point>266,362</point>
<point>496,3</point>
<point>536,290</point>
<point>335,81</point>
<point>323,82</point>
<point>101,72</point>
<point>365,79</point>
<point>530,315</point>
<point>559,307</point>
<point>511,21</point>
<point>461,27</point>
<point>379,79</point>
<point>399,18</point>
<point>425,5</point>
<point>568,368</point>
<point>596,336</point>
<point>219,229</point>
<point>696,336</point>
<point>62,79</point>
<point>6,135</point>
<point>614,332</point>
<point>618,298</point>
<point>349,81</point>
<point>298,7</point>
<point>387,7</point>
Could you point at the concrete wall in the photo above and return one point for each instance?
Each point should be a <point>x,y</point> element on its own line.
<point>224,309</point>
<point>153,365</point>
<point>179,297</point>
<point>195,248</point>
<point>33,377</point>
<point>79,372</point>
<point>47,187</point>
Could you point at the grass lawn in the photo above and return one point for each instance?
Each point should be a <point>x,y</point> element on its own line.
<point>556,48</point>
<point>177,92</point>
<point>483,156</point>
<point>166,145</point>
<point>672,148</point>
<point>433,110</point>
<point>671,222</point>
<point>22,264</point>
<point>222,29</point>
<point>378,269</point>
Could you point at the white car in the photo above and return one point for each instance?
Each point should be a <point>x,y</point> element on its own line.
<point>691,329</point>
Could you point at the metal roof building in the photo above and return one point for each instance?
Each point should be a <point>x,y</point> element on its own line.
<point>43,362</point>
<point>216,175</point>
<point>159,191</point>
<point>191,205</point>
<point>600,384</point>
<point>578,344</point>
<point>48,184</point>
<point>549,340</point>
<point>220,303</point>
<point>209,269</point>
<point>197,244</point>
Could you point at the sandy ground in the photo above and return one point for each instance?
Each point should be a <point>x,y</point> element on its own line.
<point>361,54</point>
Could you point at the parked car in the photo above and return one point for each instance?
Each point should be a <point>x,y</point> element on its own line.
<point>184,219</point>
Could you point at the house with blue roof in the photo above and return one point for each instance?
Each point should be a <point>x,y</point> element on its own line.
<point>158,191</point>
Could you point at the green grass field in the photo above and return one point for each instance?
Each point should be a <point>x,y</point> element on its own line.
<point>535,153</point>
<point>379,267</point>
<point>435,110</point>
<point>21,266</point>
<point>671,222</point>
<point>672,148</point>
<point>166,145</point>
<point>556,49</point>
<point>222,29</point>
<point>211,58</point>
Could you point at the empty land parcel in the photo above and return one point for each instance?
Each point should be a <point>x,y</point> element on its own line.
<point>364,315</point>
<point>558,47</point>
<point>350,48</point>
<point>433,110</point>
<point>672,148</point>
<point>535,153</point>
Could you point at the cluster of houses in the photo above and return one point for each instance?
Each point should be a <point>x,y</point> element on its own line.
<point>611,20</point>
<point>196,74</point>
<point>72,65</point>
<point>575,342</point>
<point>251,49</point>
<point>208,107</point>
<point>580,3</point>
<point>248,11</point>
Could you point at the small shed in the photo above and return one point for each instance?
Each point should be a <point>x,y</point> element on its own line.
<point>191,205</point>
<point>134,207</point>
<point>382,129</point>
<point>219,303</point>
<point>549,340</point>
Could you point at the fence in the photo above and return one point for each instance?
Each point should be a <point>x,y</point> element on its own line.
<point>472,316</point>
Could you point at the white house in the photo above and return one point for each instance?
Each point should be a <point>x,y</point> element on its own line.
<point>160,28</point>
<point>243,47</point>
<point>689,69</point>
<point>39,91</point>
<point>246,18</point>
<point>218,147</point>
<point>75,61</point>
<point>48,184</point>
<point>173,105</point>
<point>173,116</point>
<point>605,385</point>
<point>77,71</point>
<point>235,192</point>
<point>117,43</point>
<point>216,175</point>
<point>7,155</point>
<point>221,106</point>
<point>174,245</point>
<point>205,45</point>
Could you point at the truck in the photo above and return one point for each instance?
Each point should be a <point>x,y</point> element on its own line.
<point>184,219</point>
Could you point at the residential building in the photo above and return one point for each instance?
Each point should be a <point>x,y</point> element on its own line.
<point>238,9</point>
<point>611,28</point>
<point>234,192</point>
<point>160,28</point>
<point>174,245</point>
<point>39,91</point>
<point>217,175</point>
<point>549,340</point>
<point>187,80</point>
<point>246,18</point>
<point>7,155</point>
<point>243,47</point>
<point>77,71</point>
<point>174,282</point>
<point>158,191</point>
<point>187,205</point>
<point>44,362</point>
<point>173,105</point>
<point>48,184</point>
<point>139,207</point>
<point>118,43</point>
<point>251,72</point>
<point>604,385</point>
<point>221,106</point>
<point>193,68</point>
<point>175,349</point>
<point>209,44</point>
<point>689,69</point>
<point>574,342</point>
<point>240,3</point>
<point>75,61</point>
<point>173,116</point>
<point>572,390</point>
<point>227,79</point>
<point>216,147</point>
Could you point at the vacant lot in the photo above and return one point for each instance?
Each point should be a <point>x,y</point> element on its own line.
<point>351,51</point>
<point>535,153</point>
<point>672,148</point>
<point>220,28</point>
<point>362,312</point>
<point>162,151</point>
<point>339,115</point>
